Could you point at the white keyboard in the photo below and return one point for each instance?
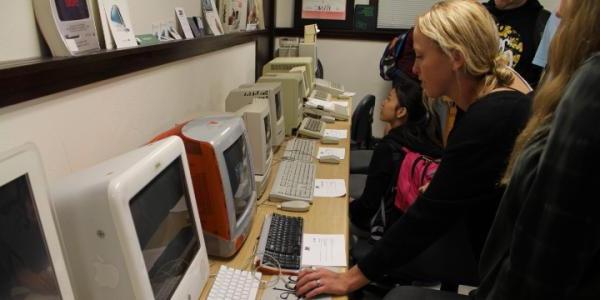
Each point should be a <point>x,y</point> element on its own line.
<point>329,87</point>
<point>312,128</point>
<point>300,149</point>
<point>321,95</point>
<point>234,284</point>
<point>295,180</point>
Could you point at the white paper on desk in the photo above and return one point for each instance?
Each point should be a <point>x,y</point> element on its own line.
<point>329,188</point>
<point>327,250</point>
<point>348,94</point>
<point>336,133</point>
<point>338,152</point>
<point>340,103</point>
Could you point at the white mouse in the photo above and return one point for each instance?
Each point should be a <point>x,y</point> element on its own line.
<point>329,159</point>
<point>330,140</point>
<point>295,205</point>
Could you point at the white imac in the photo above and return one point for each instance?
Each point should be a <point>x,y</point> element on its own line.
<point>30,247</point>
<point>284,64</point>
<point>131,228</point>
<point>245,94</point>
<point>292,96</point>
<point>257,119</point>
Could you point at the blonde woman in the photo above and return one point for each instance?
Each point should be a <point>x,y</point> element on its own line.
<point>456,45</point>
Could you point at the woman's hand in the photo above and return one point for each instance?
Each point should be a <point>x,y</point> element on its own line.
<point>313,282</point>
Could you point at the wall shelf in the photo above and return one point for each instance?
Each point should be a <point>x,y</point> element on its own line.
<point>28,79</point>
<point>379,35</point>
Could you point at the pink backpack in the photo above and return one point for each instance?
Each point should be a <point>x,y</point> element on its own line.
<point>415,171</point>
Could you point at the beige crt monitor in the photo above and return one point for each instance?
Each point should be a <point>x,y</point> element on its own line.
<point>245,94</point>
<point>257,119</point>
<point>292,96</point>
<point>302,71</point>
<point>285,64</point>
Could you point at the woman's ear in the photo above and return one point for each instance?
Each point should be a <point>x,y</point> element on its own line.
<point>457,60</point>
<point>401,112</point>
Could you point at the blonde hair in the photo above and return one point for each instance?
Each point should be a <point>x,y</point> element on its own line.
<point>576,39</point>
<point>467,27</point>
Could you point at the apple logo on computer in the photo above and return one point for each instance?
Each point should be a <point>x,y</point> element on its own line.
<point>106,275</point>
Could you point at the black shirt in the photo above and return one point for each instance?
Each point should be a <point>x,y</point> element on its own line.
<point>465,185</point>
<point>517,29</point>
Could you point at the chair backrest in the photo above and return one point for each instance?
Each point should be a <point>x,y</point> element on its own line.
<point>362,119</point>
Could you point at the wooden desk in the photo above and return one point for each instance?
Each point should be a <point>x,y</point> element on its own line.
<point>326,216</point>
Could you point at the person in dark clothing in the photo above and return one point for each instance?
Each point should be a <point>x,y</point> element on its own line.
<point>520,33</point>
<point>456,45</point>
<point>408,117</point>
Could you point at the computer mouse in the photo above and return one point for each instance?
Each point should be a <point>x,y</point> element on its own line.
<point>330,140</point>
<point>327,119</point>
<point>295,205</point>
<point>329,159</point>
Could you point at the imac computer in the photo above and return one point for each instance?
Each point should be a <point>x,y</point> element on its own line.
<point>292,95</point>
<point>257,119</point>
<point>284,64</point>
<point>29,239</point>
<point>245,94</point>
<point>218,152</point>
<point>130,226</point>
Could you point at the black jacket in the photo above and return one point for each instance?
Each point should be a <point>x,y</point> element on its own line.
<point>545,240</point>
<point>381,172</point>
<point>465,185</point>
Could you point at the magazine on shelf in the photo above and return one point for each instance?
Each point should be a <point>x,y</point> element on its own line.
<point>233,14</point>
<point>117,16</point>
<point>67,26</point>
<point>211,17</point>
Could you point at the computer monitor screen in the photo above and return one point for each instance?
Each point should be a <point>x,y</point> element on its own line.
<point>240,176</point>
<point>26,268</point>
<point>162,216</point>
<point>70,10</point>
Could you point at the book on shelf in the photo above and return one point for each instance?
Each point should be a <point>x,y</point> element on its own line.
<point>211,18</point>
<point>119,22</point>
<point>256,14</point>
<point>182,20</point>
<point>104,35</point>
<point>234,14</point>
<point>67,26</point>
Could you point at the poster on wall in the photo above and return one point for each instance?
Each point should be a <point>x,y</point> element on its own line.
<point>327,14</point>
<point>324,9</point>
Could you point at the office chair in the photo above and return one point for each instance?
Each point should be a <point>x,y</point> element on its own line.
<point>361,135</point>
<point>319,72</point>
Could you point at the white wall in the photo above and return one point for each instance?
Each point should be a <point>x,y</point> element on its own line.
<point>81,127</point>
<point>355,64</point>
